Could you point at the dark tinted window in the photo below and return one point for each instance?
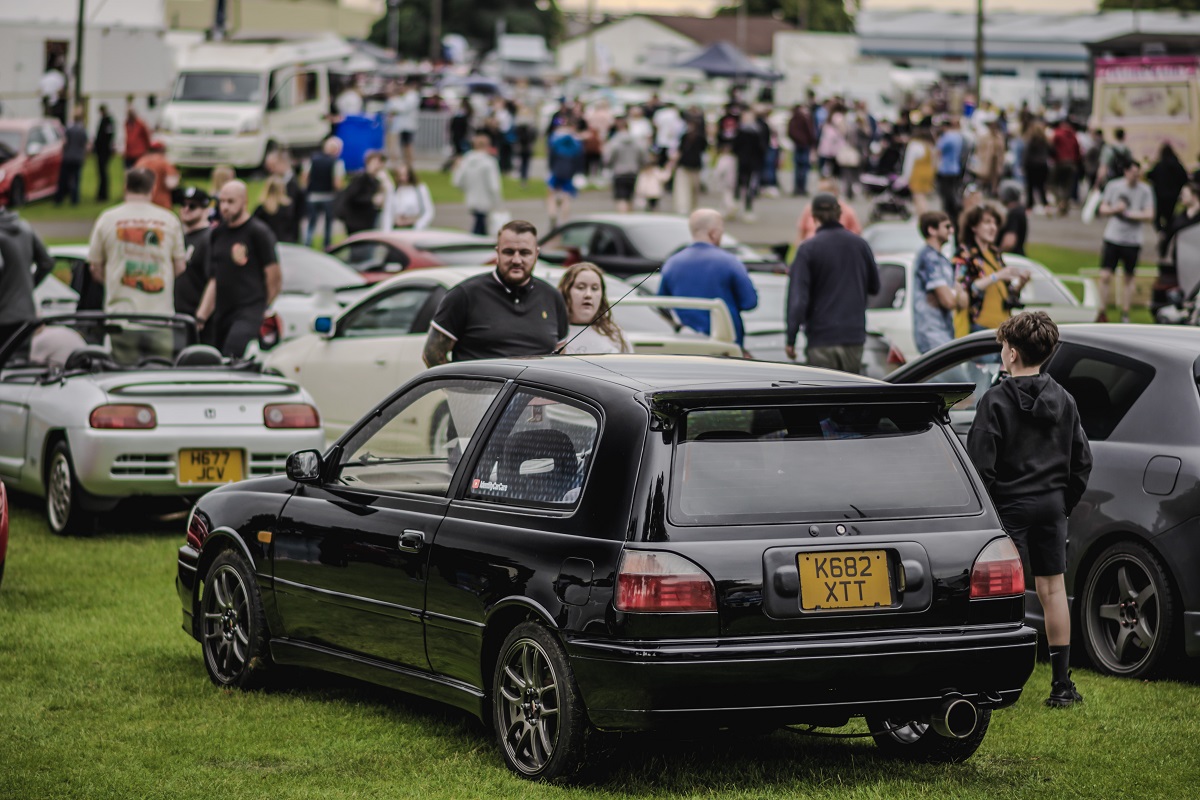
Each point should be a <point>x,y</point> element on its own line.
<point>538,454</point>
<point>807,463</point>
<point>1105,385</point>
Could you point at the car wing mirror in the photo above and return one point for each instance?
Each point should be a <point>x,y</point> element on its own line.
<point>304,466</point>
<point>33,149</point>
<point>323,325</point>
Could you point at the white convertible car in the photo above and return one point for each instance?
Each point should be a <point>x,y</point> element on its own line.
<point>375,346</point>
<point>98,407</point>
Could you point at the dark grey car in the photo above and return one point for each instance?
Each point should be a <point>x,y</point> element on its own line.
<point>1133,554</point>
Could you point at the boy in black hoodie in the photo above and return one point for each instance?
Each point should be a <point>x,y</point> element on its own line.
<point>1030,449</point>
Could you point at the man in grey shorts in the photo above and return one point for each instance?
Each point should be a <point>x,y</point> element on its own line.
<point>1129,204</point>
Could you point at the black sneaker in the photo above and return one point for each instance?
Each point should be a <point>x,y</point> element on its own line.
<point>1063,694</point>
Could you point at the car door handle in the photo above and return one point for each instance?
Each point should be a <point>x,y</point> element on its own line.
<point>412,541</point>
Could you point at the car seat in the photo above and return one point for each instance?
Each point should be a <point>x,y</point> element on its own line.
<point>199,355</point>
<point>539,487</point>
<point>88,358</point>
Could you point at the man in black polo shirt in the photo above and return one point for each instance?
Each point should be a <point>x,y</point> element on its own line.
<point>501,314</point>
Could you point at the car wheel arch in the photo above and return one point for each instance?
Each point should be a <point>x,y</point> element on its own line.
<point>1106,540</point>
<point>218,541</point>
<point>53,437</point>
<point>500,621</point>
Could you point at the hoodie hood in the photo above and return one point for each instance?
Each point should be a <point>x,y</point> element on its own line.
<point>1038,396</point>
<point>10,223</point>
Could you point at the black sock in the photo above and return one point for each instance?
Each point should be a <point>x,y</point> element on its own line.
<point>1060,663</point>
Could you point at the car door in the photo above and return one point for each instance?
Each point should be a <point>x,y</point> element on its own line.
<point>889,311</point>
<point>350,555</point>
<point>16,391</point>
<point>968,362</point>
<point>375,348</point>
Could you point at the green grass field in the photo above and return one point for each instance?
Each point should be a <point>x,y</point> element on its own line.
<point>102,695</point>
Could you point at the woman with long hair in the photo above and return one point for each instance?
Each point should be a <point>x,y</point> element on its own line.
<point>993,289</point>
<point>276,210</point>
<point>592,329</point>
<point>410,205</point>
<point>1168,177</point>
<point>1036,163</point>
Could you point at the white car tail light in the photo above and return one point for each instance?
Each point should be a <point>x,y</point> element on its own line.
<point>998,572</point>
<point>291,415</point>
<point>658,582</point>
<point>123,416</point>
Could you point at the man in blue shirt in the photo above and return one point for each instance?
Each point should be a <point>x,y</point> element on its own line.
<point>937,294</point>
<point>950,167</point>
<point>703,269</point>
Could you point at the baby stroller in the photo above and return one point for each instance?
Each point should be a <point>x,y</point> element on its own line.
<point>890,196</point>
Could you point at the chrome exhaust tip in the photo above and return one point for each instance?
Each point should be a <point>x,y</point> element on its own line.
<point>956,719</point>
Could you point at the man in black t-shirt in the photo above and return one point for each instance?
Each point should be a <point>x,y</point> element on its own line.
<point>505,313</point>
<point>1016,223</point>
<point>190,284</point>
<point>244,276</point>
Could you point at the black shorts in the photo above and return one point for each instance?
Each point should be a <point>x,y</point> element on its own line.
<point>406,137</point>
<point>622,186</point>
<point>1038,525</point>
<point>1127,254</point>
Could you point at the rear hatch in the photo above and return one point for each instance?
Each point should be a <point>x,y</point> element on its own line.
<point>827,511</point>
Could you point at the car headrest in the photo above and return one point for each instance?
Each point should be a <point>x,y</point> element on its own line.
<point>199,355</point>
<point>87,358</point>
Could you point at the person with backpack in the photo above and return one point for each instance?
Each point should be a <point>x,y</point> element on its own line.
<point>564,154</point>
<point>1113,158</point>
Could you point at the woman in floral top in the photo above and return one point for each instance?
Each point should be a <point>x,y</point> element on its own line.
<point>993,288</point>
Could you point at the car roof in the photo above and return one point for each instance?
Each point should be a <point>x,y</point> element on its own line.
<point>1152,342</point>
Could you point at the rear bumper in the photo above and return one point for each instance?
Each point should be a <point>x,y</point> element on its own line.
<point>643,685</point>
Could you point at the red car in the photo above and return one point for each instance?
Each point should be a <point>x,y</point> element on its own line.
<point>31,152</point>
<point>379,255</point>
<point>3,527</point>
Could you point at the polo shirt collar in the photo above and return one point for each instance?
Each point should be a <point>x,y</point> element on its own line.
<point>521,291</point>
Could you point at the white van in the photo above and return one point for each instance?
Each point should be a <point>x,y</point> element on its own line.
<point>234,100</point>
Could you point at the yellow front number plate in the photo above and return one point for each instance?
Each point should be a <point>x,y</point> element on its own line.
<point>210,466</point>
<point>844,579</point>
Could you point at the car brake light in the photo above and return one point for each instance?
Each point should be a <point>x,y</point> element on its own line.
<point>123,417</point>
<point>654,581</point>
<point>998,571</point>
<point>269,332</point>
<point>895,356</point>
<point>197,529</point>
<point>291,415</point>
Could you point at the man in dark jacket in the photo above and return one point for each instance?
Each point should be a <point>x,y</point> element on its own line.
<point>804,137</point>
<point>833,274</point>
<point>1034,459</point>
<point>24,263</point>
<point>360,202</point>
<point>102,146</point>
<point>75,147</point>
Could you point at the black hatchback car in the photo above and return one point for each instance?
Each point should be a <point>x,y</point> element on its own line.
<point>1133,553</point>
<point>569,545</point>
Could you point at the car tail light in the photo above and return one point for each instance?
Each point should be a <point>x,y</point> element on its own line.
<point>197,529</point>
<point>122,416</point>
<point>270,331</point>
<point>655,581</point>
<point>895,356</point>
<point>291,415</point>
<point>998,571</point>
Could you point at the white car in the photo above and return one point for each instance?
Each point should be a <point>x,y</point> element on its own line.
<point>889,310</point>
<point>375,346</point>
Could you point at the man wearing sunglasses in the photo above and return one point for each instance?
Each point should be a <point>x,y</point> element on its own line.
<point>194,205</point>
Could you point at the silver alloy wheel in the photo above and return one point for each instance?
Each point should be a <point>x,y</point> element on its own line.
<point>59,492</point>
<point>1123,613</point>
<point>226,623</point>
<point>529,706</point>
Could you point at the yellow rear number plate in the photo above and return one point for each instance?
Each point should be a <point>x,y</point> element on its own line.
<point>844,579</point>
<point>210,466</point>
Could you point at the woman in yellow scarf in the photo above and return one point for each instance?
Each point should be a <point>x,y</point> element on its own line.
<point>993,288</point>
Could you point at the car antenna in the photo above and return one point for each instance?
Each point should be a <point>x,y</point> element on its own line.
<point>608,312</point>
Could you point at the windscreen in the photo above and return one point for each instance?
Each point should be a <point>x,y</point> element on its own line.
<point>218,87</point>
<point>807,463</point>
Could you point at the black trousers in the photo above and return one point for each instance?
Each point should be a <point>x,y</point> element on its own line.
<point>948,187</point>
<point>102,158</point>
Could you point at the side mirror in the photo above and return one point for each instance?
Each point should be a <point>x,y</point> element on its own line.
<point>323,325</point>
<point>304,466</point>
<point>33,149</point>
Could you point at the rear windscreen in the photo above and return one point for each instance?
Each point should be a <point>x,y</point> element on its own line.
<point>816,462</point>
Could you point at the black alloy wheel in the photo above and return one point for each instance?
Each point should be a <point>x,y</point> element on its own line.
<point>1128,612</point>
<point>916,740</point>
<point>233,626</point>
<point>538,713</point>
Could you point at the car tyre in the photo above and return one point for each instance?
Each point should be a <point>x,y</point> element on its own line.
<point>540,721</point>
<point>1127,611</point>
<point>64,497</point>
<point>916,740</point>
<point>233,625</point>
<point>16,194</point>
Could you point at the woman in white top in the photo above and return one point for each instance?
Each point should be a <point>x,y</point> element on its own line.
<point>409,205</point>
<point>592,327</point>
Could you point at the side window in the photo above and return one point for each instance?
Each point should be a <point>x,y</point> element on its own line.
<point>416,443</point>
<point>389,315</point>
<point>50,133</point>
<point>1105,385</point>
<point>36,137</point>
<point>607,242</point>
<point>538,454</point>
<point>892,286</point>
<point>572,237</point>
<point>308,87</point>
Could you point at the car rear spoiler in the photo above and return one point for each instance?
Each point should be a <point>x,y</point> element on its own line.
<point>720,322</point>
<point>668,405</point>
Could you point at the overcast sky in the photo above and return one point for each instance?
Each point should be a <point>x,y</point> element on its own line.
<point>706,6</point>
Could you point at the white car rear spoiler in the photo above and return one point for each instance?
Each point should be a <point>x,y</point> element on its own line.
<point>720,321</point>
